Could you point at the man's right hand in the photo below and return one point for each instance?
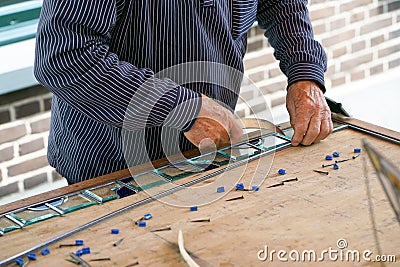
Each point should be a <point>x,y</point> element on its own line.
<point>214,126</point>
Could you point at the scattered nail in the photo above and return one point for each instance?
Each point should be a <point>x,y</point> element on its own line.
<point>235,198</point>
<point>322,172</point>
<point>290,180</point>
<point>356,156</point>
<point>168,228</point>
<point>202,220</point>
<point>101,259</point>
<point>342,160</point>
<point>132,264</point>
<point>275,185</point>
<point>327,165</point>
<point>118,242</point>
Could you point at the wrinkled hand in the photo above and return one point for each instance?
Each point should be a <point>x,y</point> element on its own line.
<point>215,125</point>
<point>309,113</point>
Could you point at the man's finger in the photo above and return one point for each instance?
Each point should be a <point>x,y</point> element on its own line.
<point>325,130</point>
<point>312,131</point>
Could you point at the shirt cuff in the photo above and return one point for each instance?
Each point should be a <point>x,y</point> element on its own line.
<point>306,71</point>
<point>185,107</point>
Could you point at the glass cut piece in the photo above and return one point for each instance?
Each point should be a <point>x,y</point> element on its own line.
<point>214,157</point>
<point>55,203</point>
<point>75,202</point>
<point>240,152</point>
<point>105,193</point>
<point>30,216</point>
<point>148,180</point>
<point>6,225</point>
<point>272,142</point>
<point>178,170</point>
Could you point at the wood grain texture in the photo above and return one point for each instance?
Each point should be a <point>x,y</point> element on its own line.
<point>310,214</point>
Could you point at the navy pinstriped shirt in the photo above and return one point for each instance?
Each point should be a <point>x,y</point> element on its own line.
<point>93,56</point>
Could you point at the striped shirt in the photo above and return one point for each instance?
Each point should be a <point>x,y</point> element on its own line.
<point>95,56</point>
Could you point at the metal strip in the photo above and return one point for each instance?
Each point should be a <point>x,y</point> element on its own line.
<point>14,220</point>
<point>54,208</point>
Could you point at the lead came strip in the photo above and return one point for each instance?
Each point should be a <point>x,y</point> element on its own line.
<point>11,218</point>
<point>54,208</point>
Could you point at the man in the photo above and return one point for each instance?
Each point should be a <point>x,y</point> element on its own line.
<point>96,55</point>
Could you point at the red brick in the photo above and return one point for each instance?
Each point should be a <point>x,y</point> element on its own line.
<point>353,4</point>
<point>270,88</point>
<point>9,189</point>
<point>322,13</point>
<point>257,76</point>
<point>278,101</point>
<point>330,70</point>
<point>47,103</point>
<point>319,28</point>
<point>262,60</point>
<point>393,6</point>
<point>394,34</point>
<point>258,108</point>
<point>357,75</point>
<point>355,62</point>
<point>254,45</point>
<point>338,81</point>
<point>339,38</point>
<point>394,63</point>
<point>5,116</point>
<point>56,176</point>
<point>377,40</point>
<point>35,180</point>
<point>274,72</point>
<point>357,17</point>
<point>27,109</point>
<point>376,69</point>
<point>358,46</point>
<point>376,11</point>
<point>375,26</point>
<point>27,166</point>
<point>31,146</point>
<point>6,153</point>
<point>389,50</point>
<point>337,24</point>
<point>40,126</point>
<point>12,133</point>
<point>339,52</point>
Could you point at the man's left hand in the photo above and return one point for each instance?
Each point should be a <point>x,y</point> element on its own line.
<point>309,113</point>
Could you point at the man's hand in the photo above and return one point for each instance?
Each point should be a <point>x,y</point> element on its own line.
<point>309,113</point>
<point>215,125</point>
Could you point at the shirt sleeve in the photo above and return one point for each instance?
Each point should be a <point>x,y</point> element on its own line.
<point>74,61</point>
<point>288,28</point>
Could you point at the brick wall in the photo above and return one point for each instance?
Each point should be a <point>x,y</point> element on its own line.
<point>361,38</point>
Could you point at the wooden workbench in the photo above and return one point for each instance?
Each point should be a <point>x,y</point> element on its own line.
<point>312,213</point>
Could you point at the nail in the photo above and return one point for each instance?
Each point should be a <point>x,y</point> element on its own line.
<point>322,172</point>
<point>356,156</point>
<point>202,220</point>
<point>235,198</point>
<point>168,228</point>
<point>101,259</point>
<point>275,185</point>
<point>290,180</point>
<point>118,242</point>
<point>327,165</point>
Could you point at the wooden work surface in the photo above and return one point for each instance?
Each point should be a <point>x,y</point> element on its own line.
<point>309,214</point>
